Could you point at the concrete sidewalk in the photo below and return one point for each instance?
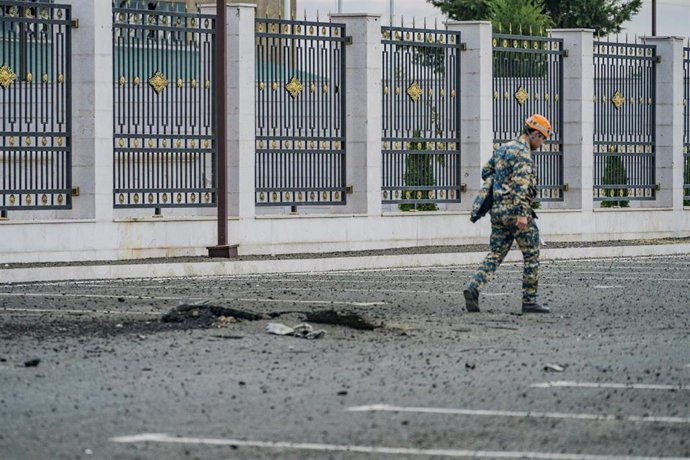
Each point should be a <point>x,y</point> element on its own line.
<point>301,263</point>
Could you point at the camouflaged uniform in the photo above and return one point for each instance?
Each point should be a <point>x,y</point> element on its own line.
<point>514,189</point>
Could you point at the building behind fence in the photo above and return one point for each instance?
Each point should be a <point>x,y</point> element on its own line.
<point>342,133</point>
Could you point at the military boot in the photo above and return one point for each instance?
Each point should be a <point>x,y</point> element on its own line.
<point>471,299</point>
<point>535,308</point>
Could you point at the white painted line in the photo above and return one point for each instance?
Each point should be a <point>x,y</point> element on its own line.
<point>629,386</point>
<point>608,287</point>
<point>92,296</point>
<point>522,414</point>
<point>330,302</point>
<point>77,312</point>
<point>453,453</point>
<point>190,299</point>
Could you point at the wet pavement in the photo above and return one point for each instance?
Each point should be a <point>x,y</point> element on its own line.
<point>605,375</point>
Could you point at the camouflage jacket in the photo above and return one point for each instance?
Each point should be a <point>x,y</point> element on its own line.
<point>515,181</point>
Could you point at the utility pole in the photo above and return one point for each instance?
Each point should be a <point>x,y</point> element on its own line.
<point>653,18</point>
<point>222,249</point>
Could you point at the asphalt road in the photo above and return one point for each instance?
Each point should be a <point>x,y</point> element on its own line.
<point>605,376</point>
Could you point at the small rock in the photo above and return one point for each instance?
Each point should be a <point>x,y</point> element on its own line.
<point>342,393</point>
<point>549,367</point>
<point>32,362</point>
<point>120,299</point>
<point>470,365</point>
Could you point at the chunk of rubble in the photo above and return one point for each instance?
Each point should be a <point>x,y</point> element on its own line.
<point>304,331</point>
<point>207,312</point>
<point>342,318</point>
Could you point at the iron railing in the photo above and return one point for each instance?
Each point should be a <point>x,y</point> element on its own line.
<point>686,126</point>
<point>35,106</point>
<point>300,113</point>
<point>624,122</point>
<point>528,79</point>
<point>421,117</point>
<point>164,118</point>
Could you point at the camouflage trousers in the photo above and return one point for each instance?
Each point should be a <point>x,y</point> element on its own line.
<point>503,232</point>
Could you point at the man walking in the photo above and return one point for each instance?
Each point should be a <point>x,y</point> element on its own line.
<point>512,217</point>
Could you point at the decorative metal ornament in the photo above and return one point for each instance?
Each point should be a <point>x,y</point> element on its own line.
<point>137,81</point>
<point>122,81</point>
<point>29,77</point>
<point>158,82</point>
<point>29,200</point>
<point>45,78</point>
<point>44,199</point>
<point>194,83</point>
<point>60,141</point>
<point>521,95</point>
<point>180,83</point>
<point>61,78</point>
<point>7,76</point>
<point>60,199</point>
<point>414,91</point>
<point>617,100</point>
<point>294,87</point>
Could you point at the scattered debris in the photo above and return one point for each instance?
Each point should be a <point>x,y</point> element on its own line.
<point>553,368</point>
<point>342,318</point>
<point>207,313</point>
<point>470,365</point>
<point>304,331</point>
<point>342,393</point>
<point>32,362</point>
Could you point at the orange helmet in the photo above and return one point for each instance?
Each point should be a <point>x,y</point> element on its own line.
<point>540,123</point>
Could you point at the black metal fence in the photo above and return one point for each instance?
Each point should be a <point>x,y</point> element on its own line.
<point>35,106</point>
<point>164,118</point>
<point>528,78</point>
<point>686,126</point>
<point>624,122</point>
<point>421,117</point>
<point>300,113</point>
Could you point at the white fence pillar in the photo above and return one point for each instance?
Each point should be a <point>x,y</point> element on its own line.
<point>241,106</point>
<point>363,124</point>
<point>476,117</point>
<point>669,121</point>
<point>578,118</point>
<point>92,111</point>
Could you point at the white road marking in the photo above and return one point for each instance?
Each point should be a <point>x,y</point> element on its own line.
<point>608,287</point>
<point>453,453</point>
<point>78,312</point>
<point>92,296</point>
<point>523,414</point>
<point>627,386</point>
<point>190,299</point>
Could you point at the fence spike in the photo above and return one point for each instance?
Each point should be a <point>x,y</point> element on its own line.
<point>436,23</point>
<point>530,29</point>
<point>520,29</point>
<point>305,14</point>
<point>500,28</point>
<point>510,28</point>
<point>317,15</point>
<point>413,22</point>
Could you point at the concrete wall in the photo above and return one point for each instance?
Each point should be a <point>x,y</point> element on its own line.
<point>92,230</point>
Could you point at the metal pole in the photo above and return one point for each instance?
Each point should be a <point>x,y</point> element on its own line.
<point>222,249</point>
<point>391,10</point>
<point>653,18</point>
<point>340,6</point>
